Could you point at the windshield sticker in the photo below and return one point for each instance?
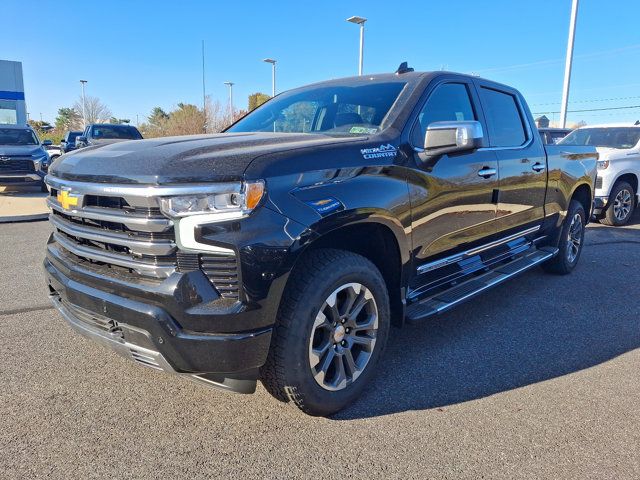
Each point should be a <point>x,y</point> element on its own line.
<point>387,150</point>
<point>365,130</point>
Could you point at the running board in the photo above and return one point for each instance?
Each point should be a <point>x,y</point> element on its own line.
<point>446,299</point>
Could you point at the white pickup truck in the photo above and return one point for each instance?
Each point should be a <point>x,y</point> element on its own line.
<point>618,146</point>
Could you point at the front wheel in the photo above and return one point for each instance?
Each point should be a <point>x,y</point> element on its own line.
<point>571,241</point>
<point>621,205</point>
<point>332,327</point>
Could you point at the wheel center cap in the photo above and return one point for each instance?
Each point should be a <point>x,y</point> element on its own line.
<point>338,334</point>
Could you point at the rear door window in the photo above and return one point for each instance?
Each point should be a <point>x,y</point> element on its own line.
<point>504,118</point>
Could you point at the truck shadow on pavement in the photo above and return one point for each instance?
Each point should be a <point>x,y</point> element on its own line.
<point>535,328</point>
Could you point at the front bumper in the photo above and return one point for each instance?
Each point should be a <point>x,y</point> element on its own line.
<point>599,205</point>
<point>132,321</point>
<point>6,178</point>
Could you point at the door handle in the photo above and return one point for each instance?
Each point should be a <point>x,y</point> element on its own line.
<point>487,172</point>
<point>538,167</point>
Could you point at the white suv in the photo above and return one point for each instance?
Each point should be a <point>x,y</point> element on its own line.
<point>618,168</point>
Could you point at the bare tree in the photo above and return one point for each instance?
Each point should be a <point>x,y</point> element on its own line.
<point>95,111</point>
<point>218,117</point>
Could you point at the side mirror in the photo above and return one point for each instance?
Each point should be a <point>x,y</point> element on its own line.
<point>47,143</point>
<point>452,137</point>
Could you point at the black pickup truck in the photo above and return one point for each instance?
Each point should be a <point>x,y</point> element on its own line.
<point>283,249</point>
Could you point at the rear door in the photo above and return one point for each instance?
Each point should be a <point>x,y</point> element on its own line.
<point>522,161</point>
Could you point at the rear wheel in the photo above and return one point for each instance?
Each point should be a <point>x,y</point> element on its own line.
<point>331,329</point>
<point>571,241</point>
<point>621,205</point>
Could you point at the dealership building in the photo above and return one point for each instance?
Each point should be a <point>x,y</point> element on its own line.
<point>12,106</point>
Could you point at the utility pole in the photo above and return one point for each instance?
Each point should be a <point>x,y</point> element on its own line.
<point>568,64</point>
<point>359,21</point>
<point>204,95</point>
<point>84,107</point>
<point>230,85</point>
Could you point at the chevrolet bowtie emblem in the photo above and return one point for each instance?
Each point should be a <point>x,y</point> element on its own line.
<point>67,199</point>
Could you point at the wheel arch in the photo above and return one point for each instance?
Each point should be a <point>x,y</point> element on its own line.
<point>630,177</point>
<point>377,237</point>
<point>583,193</point>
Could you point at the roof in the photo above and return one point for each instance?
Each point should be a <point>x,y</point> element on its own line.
<point>613,125</point>
<point>13,125</point>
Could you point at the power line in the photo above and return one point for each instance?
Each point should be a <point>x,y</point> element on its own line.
<point>592,110</point>
<point>589,101</point>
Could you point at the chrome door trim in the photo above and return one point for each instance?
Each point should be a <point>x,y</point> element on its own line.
<point>428,267</point>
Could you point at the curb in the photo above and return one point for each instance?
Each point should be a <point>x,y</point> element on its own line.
<point>24,218</point>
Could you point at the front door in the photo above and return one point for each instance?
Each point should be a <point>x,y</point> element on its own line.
<point>452,196</point>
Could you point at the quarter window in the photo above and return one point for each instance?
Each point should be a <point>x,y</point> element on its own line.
<point>448,102</point>
<point>504,120</point>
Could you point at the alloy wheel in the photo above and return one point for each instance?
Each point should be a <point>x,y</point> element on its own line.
<point>574,237</point>
<point>343,336</point>
<point>622,204</point>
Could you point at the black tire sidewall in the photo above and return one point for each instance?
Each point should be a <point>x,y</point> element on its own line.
<point>310,396</point>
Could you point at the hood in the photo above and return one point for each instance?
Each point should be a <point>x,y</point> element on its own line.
<point>607,153</point>
<point>195,158</point>
<point>22,150</point>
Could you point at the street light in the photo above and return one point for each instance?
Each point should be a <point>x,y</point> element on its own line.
<point>567,65</point>
<point>230,85</point>
<point>84,108</point>
<point>273,75</point>
<point>359,21</point>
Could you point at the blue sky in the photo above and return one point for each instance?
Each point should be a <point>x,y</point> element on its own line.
<point>141,54</point>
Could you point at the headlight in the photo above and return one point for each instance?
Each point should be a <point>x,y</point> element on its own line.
<point>240,198</point>
<point>603,164</point>
<point>39,160</point>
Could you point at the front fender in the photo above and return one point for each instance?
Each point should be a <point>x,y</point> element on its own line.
<point>325,200</point>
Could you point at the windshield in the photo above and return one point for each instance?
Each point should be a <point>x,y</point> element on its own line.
<point>334,109</point>
<point>16,136</point>
<point>113,131</point>
<point>611,137</point>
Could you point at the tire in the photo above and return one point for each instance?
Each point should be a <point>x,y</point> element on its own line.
<point>621,205</point>
<point>43,187</point>
<point>306,334</point>
<point>571,241</point>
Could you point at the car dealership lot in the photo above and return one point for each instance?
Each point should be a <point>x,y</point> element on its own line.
<point>537,378</point>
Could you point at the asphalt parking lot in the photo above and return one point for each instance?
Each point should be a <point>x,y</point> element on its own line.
<point>538,378</point>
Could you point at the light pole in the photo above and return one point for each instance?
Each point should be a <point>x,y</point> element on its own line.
<point>567,65</point>
<point>273,75</point>
<point>84,108</point>
<point>359,21</point>
<point>204,95</point>
<point>230,85</point>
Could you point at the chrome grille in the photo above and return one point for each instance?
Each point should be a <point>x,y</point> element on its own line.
<point>121,228</point>
<point>111,230</point>
<point>17,165</point>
